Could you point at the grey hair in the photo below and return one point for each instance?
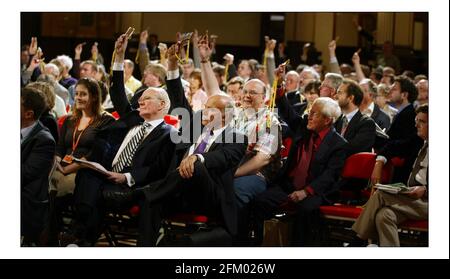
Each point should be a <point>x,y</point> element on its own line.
<point>336,80</point>
<point>162,95</point>
<point>328,107</point>
<point>265,88</point>
<point>129,63</point>
<point>383,88</point>
<point>66,60</point>
<point>371,85</point>
<point>54,68</point>
<point>313,72</point>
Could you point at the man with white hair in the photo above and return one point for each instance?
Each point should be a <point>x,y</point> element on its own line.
<point>66,79</point>
<point>330,85</point>
<point>368,106</point>
<point>292,81</point>
<point>136,149</point>
<point>308,179</point>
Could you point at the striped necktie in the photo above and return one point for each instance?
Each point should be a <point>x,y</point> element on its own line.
<point>127,154</point>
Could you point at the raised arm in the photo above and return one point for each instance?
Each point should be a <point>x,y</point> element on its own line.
<point>270,46</point>
<point>357,64</point>
<point>144,56</point>
<point>174,86</point>
<point>334,64</point>
<point>195,51</point>
<point>117,91</point>
<point>208,78</point>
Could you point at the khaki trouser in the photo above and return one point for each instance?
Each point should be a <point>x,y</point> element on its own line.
<point>382,214</point>
<point>63,184</point>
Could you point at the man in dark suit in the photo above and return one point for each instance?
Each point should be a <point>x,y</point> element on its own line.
<point>308,179</point>
<point>368,106</point>
<point>37,151</point>
<point>293,95</point>
<point>356,128</point>
<point>384,211</point>
<point>403,139</point>
<point>137,149</point>
<point>201,173</point>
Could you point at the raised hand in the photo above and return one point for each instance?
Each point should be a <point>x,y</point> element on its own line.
<point>271,45</point>
<point>120,47</point>
<point>171,56</point>
<point>94,51</point>
<point>33,46</point>
<point>355,58</point>
<point>143,37</point>
<point>195,38</point>
<point>204,48</point>
<point>332,46</point>
<point>229,58</point>
<point>79,50</point>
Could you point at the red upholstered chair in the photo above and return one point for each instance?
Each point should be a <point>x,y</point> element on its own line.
<point>61,121</point>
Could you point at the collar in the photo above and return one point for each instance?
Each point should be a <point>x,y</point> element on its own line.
<point>350,115</point>
<point>24,132</point>
<point>369,110</point>
<point>402,107</point>
<point>219,131</point>
<point>156,122</point>
<point>323,133</point>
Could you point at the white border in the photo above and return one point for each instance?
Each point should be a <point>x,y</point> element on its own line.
<point>438,72</point>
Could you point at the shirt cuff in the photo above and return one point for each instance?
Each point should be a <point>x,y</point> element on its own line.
<point>118,66</point>
<point>382,159</point>
<point>333,60</point>
<point>173,74</point>
<point>200,157</point>
<point>130,180</point>
<point>309,190</point>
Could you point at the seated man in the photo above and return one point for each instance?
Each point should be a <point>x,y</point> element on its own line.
<point>356,128</point>
<point>37,150</point>
<point>384,211</point>
<point>308,179</point>
<point>262,159</point>
<point>137,149</point>
<point>204,178</point>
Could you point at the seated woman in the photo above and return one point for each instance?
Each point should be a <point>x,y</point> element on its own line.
<point>78,134</point>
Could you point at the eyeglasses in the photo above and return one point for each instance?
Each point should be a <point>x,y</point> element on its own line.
<point>251,92</point>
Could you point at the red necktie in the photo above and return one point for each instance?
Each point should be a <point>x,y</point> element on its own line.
<point>301,172</point>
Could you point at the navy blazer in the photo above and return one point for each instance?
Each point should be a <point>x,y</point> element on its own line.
<point>403,142</point>
<point>152,158</point>
<point>221,160</point>
<point>327,164</point>
<point>325,168</point>
<point>360,133</point>
<point>381,118</point>
<point>37,151</point>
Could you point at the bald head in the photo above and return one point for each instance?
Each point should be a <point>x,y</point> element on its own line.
<point>220,106</point>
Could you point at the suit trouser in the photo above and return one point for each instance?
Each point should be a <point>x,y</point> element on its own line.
<point>200,191</point>
<point>382,214</point>
<point>306,219</point>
